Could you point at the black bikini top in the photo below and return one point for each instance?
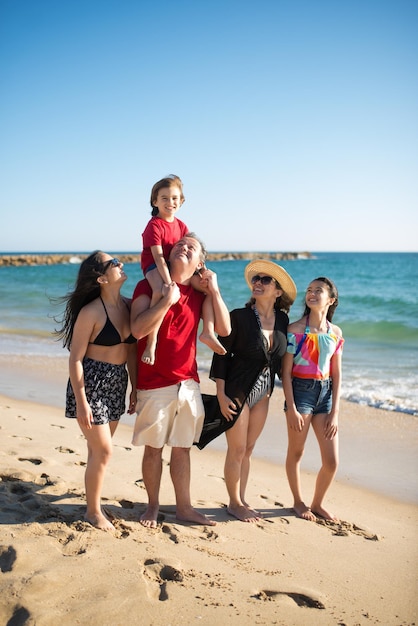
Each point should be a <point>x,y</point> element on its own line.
<point>109,336</point>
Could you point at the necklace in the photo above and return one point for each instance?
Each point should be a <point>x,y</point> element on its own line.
<point>256,313</point>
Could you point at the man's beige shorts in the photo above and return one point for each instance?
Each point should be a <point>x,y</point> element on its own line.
<point>170,416</point>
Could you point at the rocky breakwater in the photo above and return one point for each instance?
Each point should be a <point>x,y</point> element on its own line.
<point>7,260</point>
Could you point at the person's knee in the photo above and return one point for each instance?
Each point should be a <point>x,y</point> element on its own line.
<point>249,449</point>
<point>152,453</point>
<point>331,464</point>
<point>295,454</point>
<point>103,454</point>
<point>237,452</point>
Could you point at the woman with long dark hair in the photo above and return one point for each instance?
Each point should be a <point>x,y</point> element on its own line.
<point>96,330</point>
<point>311,377</point>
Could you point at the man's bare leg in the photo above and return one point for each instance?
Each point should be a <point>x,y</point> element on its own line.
<point>152,468</point>
<point>180,475</point>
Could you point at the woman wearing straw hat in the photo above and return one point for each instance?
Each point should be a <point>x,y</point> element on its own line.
<point>245,375</point>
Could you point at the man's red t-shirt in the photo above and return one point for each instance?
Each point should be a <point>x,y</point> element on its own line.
<point>175,357</point>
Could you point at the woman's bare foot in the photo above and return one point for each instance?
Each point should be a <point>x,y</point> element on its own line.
<point>212,342</point>
<point>243,513</point>
<point>149,518</point>
<point>194,517</point>
<point>304,512</point>
<point>99,521</point>
<point>250,508</point>
<point>324,514</point>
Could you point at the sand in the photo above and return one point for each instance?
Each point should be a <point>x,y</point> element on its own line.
<point>57,569</point>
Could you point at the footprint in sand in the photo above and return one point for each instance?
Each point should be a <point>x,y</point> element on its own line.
<point>160,575</point>
<point>20,616</point>
<point>34,461</point>
<point>270,501</point>
<point>343,529</point>
<point>65,450</point>
<point>7,558</point>
<point>301,599</point>
<point>73,543</point>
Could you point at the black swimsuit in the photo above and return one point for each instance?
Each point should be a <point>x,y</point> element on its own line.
<point>109,336</point>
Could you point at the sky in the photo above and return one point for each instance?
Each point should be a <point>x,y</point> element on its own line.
<point>292,123</point>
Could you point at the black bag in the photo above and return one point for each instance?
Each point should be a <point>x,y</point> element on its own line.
<point>214,423</point>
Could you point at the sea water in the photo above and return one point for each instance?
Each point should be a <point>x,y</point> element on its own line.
<point>377,312</point>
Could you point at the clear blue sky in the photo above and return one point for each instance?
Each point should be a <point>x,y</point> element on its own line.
<point>292,123</point>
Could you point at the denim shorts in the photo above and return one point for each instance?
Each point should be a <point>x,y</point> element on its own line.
<point>312,396</point>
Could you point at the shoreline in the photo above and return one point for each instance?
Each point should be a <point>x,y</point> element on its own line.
<point>377,447</point>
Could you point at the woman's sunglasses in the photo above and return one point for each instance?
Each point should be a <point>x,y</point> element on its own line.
<point>111,263</point>
<point>264,280</point>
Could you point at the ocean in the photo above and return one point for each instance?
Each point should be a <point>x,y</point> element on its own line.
<point>378,314</point>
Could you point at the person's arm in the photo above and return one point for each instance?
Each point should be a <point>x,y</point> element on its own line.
<point>161,263</point>
<point>145,319</point>
<point>331,423</point>
<point>83,329</point>
<point>222,318</point>
<point>294,418</point>
<point>132,366</point>
<point>227,406</point>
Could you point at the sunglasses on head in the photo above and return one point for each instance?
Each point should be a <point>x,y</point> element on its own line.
<point>111,263</point>
<point>264,280</point>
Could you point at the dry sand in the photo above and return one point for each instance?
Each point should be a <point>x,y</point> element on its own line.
<point>57,569</point>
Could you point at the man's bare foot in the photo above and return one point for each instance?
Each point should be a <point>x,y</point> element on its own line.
<point>99,521</point>
<point>243,513</point>
<point>194,517</point>
<point>304,512</point>
<point>148,355</point>
<point>212,342</point>
<point>324,514</point>
<point>149,518</point>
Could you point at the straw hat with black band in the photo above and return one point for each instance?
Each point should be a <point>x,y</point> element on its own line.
<point>260,266</point>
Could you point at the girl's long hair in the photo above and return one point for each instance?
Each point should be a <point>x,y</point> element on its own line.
<point>85,291</point>
<point>333,293</point>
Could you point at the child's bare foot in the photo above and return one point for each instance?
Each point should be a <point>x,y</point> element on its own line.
<point>304,512</point>
<point>148,355</point>
<point>324,514</point>
<point>99,521</point>
<point>243,513</point>
<point>194,517</point>
<point>149,518</point>
<point>212,342</point>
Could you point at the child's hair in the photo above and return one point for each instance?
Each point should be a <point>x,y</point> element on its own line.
<point>333,292</point>
<point>169,181</point>
<point>85,291</point>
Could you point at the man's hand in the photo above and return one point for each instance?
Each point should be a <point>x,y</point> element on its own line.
<point>171,293</point>
<point>209,280</point>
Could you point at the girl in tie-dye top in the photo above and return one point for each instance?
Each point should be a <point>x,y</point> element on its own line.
<point>311,377</point>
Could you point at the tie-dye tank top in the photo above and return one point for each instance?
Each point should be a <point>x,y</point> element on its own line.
<point>313,352</point>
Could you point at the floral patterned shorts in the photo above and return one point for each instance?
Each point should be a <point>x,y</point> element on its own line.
<point>105,386</point>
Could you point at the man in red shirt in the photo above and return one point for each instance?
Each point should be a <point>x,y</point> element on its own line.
<point>169,404</point>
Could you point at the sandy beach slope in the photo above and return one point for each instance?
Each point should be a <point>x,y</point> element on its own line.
<point>57,569</point>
